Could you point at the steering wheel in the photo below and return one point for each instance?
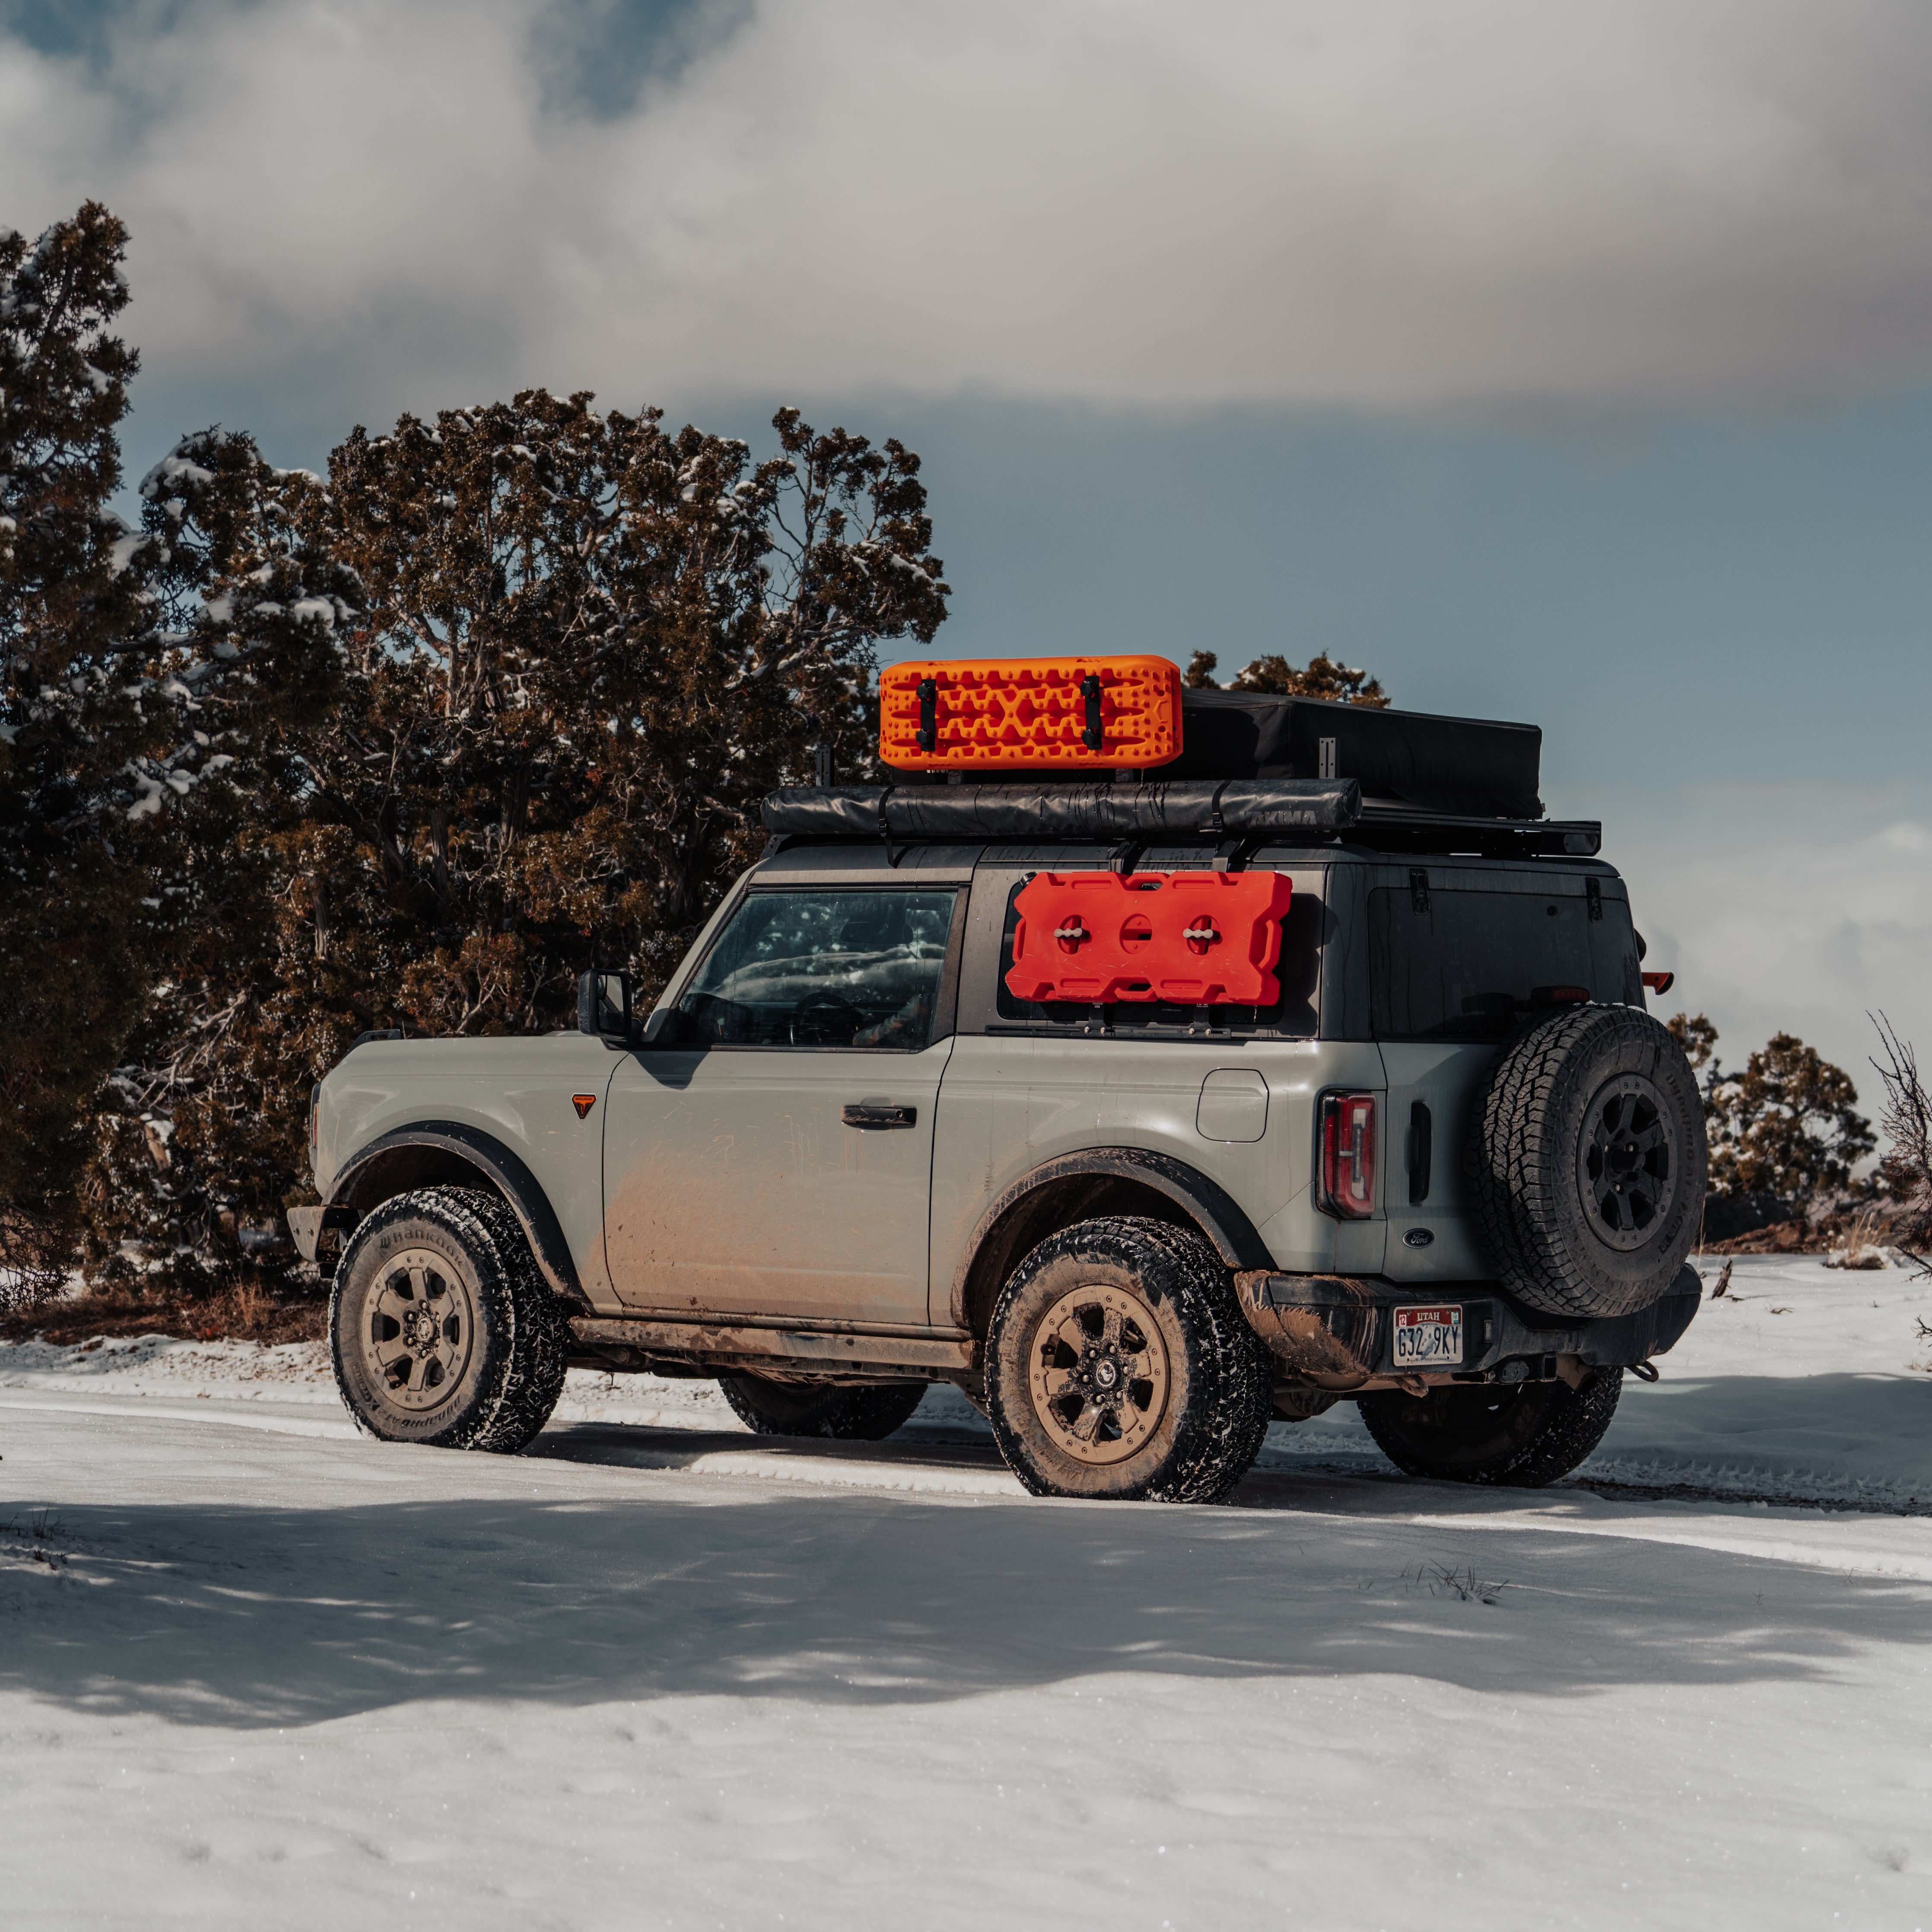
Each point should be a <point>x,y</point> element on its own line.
<point>829,1004</point>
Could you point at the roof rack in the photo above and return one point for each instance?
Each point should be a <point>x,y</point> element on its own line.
<point>1297,810</point>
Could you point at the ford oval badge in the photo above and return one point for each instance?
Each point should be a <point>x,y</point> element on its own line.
<point>1418,1237</point>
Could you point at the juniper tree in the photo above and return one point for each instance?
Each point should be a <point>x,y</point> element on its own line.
<point>69,885</point>
<point>1322,677</point>
<point>589,647</point>
<point>187,1140</point>
<point>125,695</point>
<point>1787,1126</point>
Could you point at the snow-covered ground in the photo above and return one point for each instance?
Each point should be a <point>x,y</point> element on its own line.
<point>255,1669</point>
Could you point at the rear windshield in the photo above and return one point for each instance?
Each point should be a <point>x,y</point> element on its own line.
<point>1470,965</point>
<point>1298,974</point>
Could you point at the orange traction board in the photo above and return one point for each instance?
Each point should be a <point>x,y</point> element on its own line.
<point>1192,939</point>
<point>1029,714</point>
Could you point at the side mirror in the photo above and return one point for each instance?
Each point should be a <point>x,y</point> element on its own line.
<point>604,1006</point>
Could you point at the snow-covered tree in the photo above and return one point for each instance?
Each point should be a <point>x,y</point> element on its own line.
<point>139,669</point>
<point>575,651</point>
<point>1787,1126</point>
<point>70,607</point>
<point>1321,677</point>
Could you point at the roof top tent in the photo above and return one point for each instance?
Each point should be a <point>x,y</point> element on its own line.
<point>1116,748</point>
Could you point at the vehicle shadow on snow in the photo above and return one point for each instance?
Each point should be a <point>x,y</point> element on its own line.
<point>217,1613</point>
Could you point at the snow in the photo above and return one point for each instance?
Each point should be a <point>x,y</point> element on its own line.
<point>659,1673</point>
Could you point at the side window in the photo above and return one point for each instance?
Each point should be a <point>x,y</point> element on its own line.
<point>1472,965</point>
<point>830,968</point>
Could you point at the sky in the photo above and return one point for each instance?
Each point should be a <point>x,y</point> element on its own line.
<point>1571,364</point>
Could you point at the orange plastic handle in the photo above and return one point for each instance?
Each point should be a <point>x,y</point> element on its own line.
<point>1190,938</point>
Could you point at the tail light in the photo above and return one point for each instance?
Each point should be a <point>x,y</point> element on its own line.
<point>1348,1155</point>
<point>314,1121</point>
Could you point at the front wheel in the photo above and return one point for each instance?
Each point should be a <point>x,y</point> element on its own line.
<point>442,1330</point>
<point>1518,1436</point>
<point>1119,1365</point>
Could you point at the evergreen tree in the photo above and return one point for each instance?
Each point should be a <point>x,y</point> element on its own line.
<point>70,609</point>
<point>129,706</point>
<point>585,649</point>
<point>186,1148</point>
<point>1787,1126</point>
<point>1697,1036</point>
<point>1322,677</point>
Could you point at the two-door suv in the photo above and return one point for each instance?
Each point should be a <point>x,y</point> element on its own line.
<point>1146,1062</point>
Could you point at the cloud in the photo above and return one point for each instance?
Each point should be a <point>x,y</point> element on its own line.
<point>1796,908</point>
<point>1399,205</point>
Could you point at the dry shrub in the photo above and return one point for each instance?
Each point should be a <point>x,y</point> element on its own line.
<point>33,1259</point>
<point>1862,1248</point>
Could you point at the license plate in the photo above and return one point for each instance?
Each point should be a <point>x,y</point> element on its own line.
<point>1428,1338</point>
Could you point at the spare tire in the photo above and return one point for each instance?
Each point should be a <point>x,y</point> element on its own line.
<point>1587,1160</point>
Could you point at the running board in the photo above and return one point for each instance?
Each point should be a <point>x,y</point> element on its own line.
<point>803,1347</point>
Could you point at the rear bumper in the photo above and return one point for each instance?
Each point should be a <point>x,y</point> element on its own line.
<point>1337,1331</point>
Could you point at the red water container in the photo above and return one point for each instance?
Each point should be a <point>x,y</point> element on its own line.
<point>1193,939</point>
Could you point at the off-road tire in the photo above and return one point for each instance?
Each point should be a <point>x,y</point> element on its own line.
<point>1166,1285</point>
<point>1515,1437</point>
<point>503,1362</point>
<point>767,1407</point>
<point>1544,1129</point>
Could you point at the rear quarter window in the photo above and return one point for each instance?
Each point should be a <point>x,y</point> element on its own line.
<point>1292,1014</point>
<point>1452,964</point>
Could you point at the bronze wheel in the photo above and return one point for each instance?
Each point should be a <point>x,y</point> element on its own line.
<point>441,1328</point>
<point>1098,1374</point>
<point>1119,1365</point>
<point>418,1329</point>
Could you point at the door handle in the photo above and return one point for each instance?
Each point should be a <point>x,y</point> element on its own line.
<point>875,1114</point>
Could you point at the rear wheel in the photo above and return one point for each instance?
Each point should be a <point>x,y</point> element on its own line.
<point>855,1415</point>
<point>1518,1436</point>
<point>1119,1365</point>
<point>441,1328</point>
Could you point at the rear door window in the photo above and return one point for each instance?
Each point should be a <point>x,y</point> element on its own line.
<point>1450,965</point>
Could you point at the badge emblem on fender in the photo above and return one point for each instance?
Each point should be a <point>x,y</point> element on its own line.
<point>582,1103</point>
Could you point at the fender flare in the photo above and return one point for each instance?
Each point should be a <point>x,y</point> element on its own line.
<point>1203,1201</point>
<point>470,1146</point>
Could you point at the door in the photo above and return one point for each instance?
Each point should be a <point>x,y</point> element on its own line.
<point>1456,970</point>
<point>771,1153</point>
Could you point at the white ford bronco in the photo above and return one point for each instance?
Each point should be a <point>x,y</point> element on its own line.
<point>1143,1087</point>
